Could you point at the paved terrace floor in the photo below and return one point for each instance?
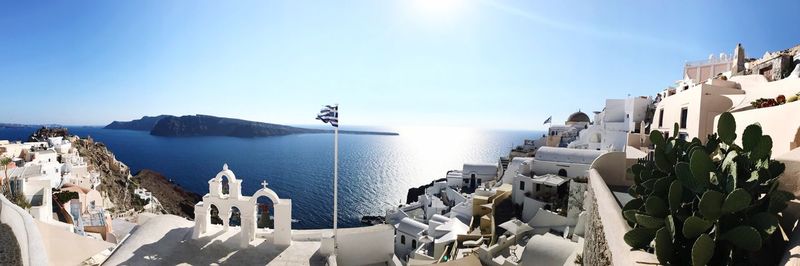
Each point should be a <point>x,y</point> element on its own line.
<point>9,249</point>
<point>167,240</point>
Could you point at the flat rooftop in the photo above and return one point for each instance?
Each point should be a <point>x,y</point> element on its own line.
<point>167,240</point>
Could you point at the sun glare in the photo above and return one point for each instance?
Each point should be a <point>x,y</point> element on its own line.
<point>438,9</point>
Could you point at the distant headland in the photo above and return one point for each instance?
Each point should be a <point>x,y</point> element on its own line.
<point>206,125</point>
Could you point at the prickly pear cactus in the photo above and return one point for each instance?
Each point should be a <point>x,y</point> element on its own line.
<point>706,203</point>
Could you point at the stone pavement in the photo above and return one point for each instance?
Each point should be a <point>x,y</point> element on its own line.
<point>9,250</point>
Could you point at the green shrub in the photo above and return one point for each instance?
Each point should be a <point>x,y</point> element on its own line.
<point>706,203</point>
<point>65,196</point>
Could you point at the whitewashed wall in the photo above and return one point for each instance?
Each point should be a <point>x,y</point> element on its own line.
<point>28,237</point>
<point>365,245</point>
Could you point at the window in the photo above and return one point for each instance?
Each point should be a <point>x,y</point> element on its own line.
<point>684,116</point>
<point>661,118</point>
<point>521,185</point>
<point>414,244</point>
<point>538,187</point>
<point>403,239</point>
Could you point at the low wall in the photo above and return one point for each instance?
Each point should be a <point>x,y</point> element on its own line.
<point>638,140</point>
<point>365,245</point>
<point>612,166</point>
<point>784,131</point>
<point>28,237</point>
<point>605,228</point>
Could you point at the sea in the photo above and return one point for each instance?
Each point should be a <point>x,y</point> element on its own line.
<point>375,171</point>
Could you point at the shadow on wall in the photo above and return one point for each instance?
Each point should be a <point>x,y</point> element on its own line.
<point>613,167</point>
<point>789,181</point>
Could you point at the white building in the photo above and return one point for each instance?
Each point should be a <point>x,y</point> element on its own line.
<point>474,175</point>
<point>407,237</point>
<point>59,144</point>
<point>43,156</point>
<point>36,187</point>
<point>611,127</point>
<point>563,161</point>
<point>462,211</point>
<point>442,231</point>
<point>551,170</point>
<point>454,179</point>
<point>558,135</point>
<point>517,166</point>
<point>540,186</point>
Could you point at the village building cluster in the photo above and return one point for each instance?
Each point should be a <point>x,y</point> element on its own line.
<point>60,191</point>
<point>550,182</point>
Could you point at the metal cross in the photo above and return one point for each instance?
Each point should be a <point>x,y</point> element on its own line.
<point>264,183</point>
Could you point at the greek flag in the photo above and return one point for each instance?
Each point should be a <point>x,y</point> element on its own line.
<point>329,114</point>
<point>549,119</point>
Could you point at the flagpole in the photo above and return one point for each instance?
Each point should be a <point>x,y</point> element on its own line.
<point>335,184</point>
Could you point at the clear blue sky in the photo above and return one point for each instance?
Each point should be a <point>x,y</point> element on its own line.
<point>477,63</point>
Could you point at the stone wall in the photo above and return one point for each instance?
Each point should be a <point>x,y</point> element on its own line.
<point>595,250</point>
<point>605,229</point>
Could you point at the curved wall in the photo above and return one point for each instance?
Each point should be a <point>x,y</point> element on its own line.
<point>28,237</point>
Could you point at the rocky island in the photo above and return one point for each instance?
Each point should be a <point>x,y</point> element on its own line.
<point>206,125</point>
<point>145,123</point>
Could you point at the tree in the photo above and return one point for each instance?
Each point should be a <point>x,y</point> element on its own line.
<point>4,161</point>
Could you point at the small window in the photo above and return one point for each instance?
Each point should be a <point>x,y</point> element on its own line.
<point>521,185</point>
<point>414,244</point>
<point>403,239</point>
<point>661,118</point>
<point>684,116</point>
<point>479,181</point>
<point>538,187</point>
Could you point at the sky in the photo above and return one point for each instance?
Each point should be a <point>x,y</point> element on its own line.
<point>473,63</point>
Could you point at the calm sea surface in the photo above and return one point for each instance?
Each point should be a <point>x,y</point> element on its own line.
<point>375,172</point>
